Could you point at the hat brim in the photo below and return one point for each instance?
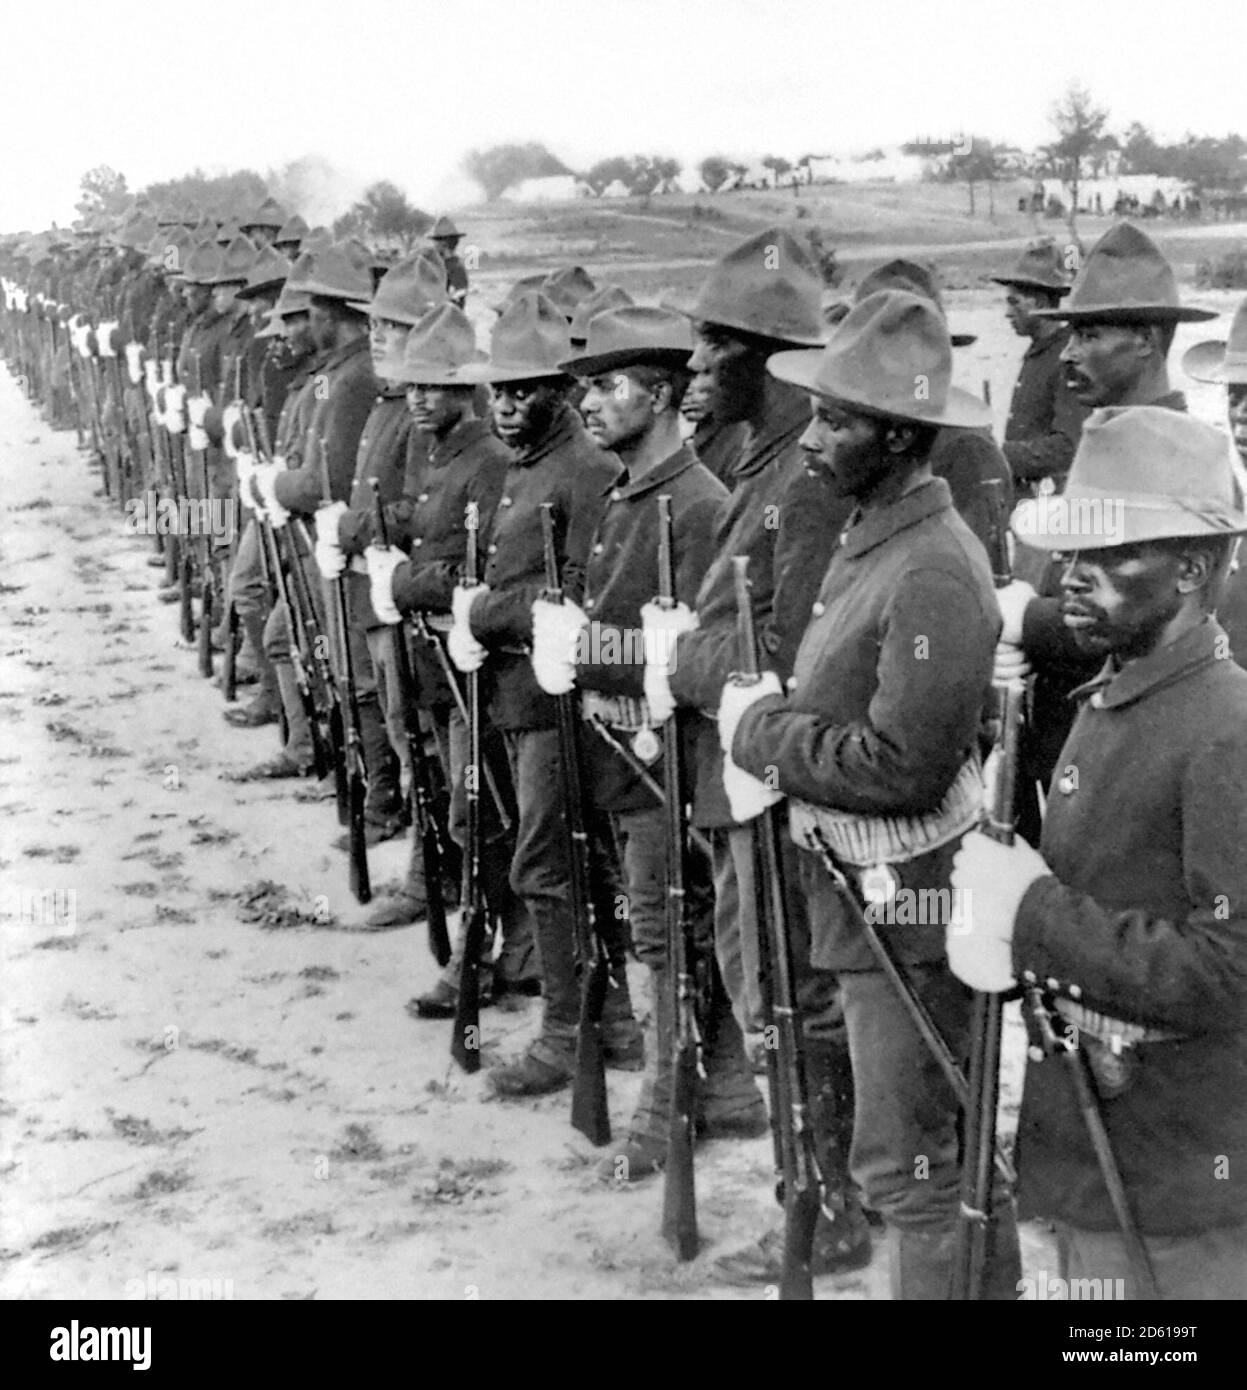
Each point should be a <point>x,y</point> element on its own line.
<point>261,287</point>
<point>437,374</point>
<point>486,373</point>
<point>1058,528</point>
<point>741,326</point>
<point>1207,362</point>
<point>1135,313</point>
<point>626,357</point>
<point>408,320</point>
<point>963,339</point>
<point>961,410</point>
<point>1022,283</point>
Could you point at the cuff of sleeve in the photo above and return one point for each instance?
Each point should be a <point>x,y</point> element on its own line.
<point>1030,949</point>
<point>748,752</point>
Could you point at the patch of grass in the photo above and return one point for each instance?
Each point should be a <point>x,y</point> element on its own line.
<point>66,1237</point>
<point>159,1183</point>
<point>358,1145</point>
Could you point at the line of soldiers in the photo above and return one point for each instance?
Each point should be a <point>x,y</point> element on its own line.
<point>824,453</point>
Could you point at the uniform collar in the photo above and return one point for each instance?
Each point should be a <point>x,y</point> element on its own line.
<point>670,468</point>
<point>562,430</point>
<point>463,436</point>
<point>864,532</point>
<point>1117,686</point>
<point>781,428</point>
<point>343,354</point>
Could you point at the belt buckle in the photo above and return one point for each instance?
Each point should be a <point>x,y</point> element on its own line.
<point>646,746</point>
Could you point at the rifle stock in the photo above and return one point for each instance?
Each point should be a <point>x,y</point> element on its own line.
<point>590,1114</point>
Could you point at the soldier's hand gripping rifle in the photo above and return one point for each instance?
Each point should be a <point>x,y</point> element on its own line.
<point>357,772</point>
<point>175,423</point>
<point>801,1187</point>
<point>433,838</point>
<point>974,1224</point>
<point>229,659</point>
<point>679,1194</point>
<point>305,634</point>
<point>590,1114</point>
<point>465,1038</point>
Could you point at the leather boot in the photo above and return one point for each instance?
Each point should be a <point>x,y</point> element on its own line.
<point>548,1064</point>
<point>644,1149</point>
<point>299,738</point>
<point>252,655</point>
<point>623,1042</point>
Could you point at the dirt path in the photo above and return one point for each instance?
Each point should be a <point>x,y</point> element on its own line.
<point>193,1096</point>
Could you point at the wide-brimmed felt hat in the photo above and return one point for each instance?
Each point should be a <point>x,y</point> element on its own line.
<point>227,231</point>
<point>891,355</point>
<point>272,326</point>
<point>525,282</point>
<point>630,336</point>
<point>444,230</point>
<point>337,272</point>
<point>167,250</point>
<point>608,297</point>
<point>766,285</point>
<point>1040,267</point>
<point>236,261</point>
<point>407,290</point>
<point>913,278</point>
<point>1222,363</point>
<point>440,348</point>
<point>291,301</point>
<point>1140,473</point>
<point>292,230</point>
<point>528,341</point>
<point>267,274</point>
<point>202,264</point>
<point>567,288</point>
<point>270,213</point>
<point>1125,279</point>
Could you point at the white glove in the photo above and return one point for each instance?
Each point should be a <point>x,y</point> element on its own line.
<point>747,797</point>
<point>151,376</point>
<point>661,629</point>
<point>231,420</point>
<point>737,698</point>
<point>1013,600</point>
<point>134,362</point>
<point>104,337</point>
<point>175,409</point>
<point>556,635</point>
<point>382,561</point>
<point>1010,665</point>
<point>197,438</point>
<point>80,336</point>
<point>244,470</point>
<point>166,373</point>
<point>21,299</point>
<point>465,651</point>
<point>265,477</point>
<point>991,880</point>
<point>330,557</point>
<point>197,408</point>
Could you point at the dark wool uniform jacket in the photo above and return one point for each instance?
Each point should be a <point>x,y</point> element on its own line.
<point>469,465</point>
<point>887,693</point>
<point>382,454</point>
<point>343,390</point>
<point>621,576</point>
<point>966,459</point>
<point>786,522</point>
<point>1145,915</point>
<point>567,469</point>
<point>1045,417</point>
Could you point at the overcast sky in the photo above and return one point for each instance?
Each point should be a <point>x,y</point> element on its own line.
<point>401,89</point>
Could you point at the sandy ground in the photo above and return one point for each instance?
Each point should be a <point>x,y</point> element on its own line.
<point>187,1094</point>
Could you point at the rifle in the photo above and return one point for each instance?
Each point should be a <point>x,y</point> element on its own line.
<point>207,585</point>
<point>229,660</point>
<point>357,772</point>
<point>801,1186</point>
<point>305,634</point>
<point>975,1219</point>
<point>433,847</point>
<point>465,1035</point>
<point>590,1114</point>
<point>679,1193</point>
<point>186,561</point>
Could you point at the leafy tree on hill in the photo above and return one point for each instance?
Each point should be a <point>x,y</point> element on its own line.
<point>714,171</point>
<point>103,190</point>
<point>1079,125</point>
<point>386,216</point>
<point>220,195</point>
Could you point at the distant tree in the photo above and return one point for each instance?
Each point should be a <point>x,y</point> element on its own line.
<point>386,216</point>
<point>1140,154</point>
<point>778,166</point>
<point>979,163</point>
<point>503,166</point>
<point>1100,153</point>
<point>714,171</point>
<point>1210,164</point>
<point>220,195</point>
<point>607,171</point>
<point>1079,124</point>
<point>666,168</point>
<point>349,225</point>
<point>103,190</point>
